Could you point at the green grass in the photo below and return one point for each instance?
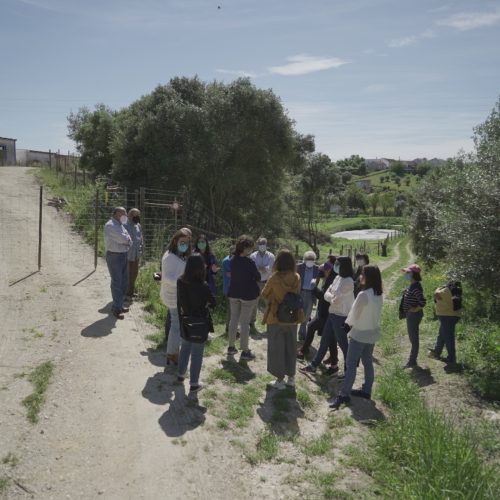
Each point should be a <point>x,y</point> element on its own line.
<point>318,446</point>
<point>10,459</point>
<point>391,185</point>
<point>4,483</point>
<point>417,453</point>
<point>304,398</point>
<point>266,449</point>
<point>40,378</point>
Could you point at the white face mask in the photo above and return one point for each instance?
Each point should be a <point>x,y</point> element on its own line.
<point>123,219</point>
<point>360,263</point>
<point>309,263</point>
<point>336,268</point>
<point>262,248</point>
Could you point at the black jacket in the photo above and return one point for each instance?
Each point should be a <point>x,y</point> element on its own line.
<point>323,305</point>
<point>193,299</point>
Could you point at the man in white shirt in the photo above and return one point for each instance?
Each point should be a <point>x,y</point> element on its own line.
<point>117,242</point>
<point>264,260</point>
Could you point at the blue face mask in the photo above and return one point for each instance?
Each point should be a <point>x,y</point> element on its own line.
<point>408,276</point>
<point>202,245</point>
<point>182,247</point>
<point>262,248</point>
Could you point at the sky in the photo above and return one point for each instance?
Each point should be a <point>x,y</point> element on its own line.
<point>378,78</point>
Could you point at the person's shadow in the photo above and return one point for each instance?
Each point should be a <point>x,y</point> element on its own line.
<point>184,412</point>
<point>155,356</point>
<point>280,411</point>
<point>101,327</point>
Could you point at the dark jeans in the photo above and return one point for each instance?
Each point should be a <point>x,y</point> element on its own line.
<point>168,323</point>
<point>356,351</point>
<point>413,320</point>
<point>318,325</point>
<point>341,335</point>
<point>446,337</point>
<point>333,324</point>
<point>118,270</point>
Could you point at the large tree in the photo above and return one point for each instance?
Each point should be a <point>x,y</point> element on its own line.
<point>92,131</point>
<point>457,211</point>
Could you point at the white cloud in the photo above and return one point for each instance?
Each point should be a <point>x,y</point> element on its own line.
<point>465,21</point>
<point>302,64</point>
<point>235,72</point>
<point>396,43</point>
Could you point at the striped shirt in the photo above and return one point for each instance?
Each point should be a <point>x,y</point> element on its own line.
<point>413,296</point>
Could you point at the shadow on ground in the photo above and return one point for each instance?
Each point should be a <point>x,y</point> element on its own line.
<point>184,413</point>
<point>101,327</point>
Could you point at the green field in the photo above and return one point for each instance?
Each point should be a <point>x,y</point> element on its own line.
<point>377,185</point>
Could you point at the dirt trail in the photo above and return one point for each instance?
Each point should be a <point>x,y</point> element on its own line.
<point>105,429</point>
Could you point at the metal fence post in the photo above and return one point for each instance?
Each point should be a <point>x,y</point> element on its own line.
<point>96,226</point>
<point>40,229</point>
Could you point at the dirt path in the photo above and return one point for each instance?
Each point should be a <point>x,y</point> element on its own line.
<point>105,429</point>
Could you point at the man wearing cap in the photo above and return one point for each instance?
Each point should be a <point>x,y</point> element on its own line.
<point>117,242</point>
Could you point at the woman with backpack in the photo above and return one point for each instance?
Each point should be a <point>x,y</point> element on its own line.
<point>340,295</point>
<point>412,309</point>
<point>282,315</point>
<point>363,322</point>
<point>194,297</point>
<point>448,303</point>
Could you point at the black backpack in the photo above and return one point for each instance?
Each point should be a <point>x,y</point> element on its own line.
<point>288,309</point>
<point>456,294</point>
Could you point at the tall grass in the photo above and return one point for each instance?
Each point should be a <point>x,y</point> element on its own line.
<point>417,453</point>
<point>40,378</point>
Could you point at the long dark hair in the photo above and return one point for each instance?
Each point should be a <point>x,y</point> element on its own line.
<point>373,279</point>
<point>345,267</point>
<point>206,253</point>
<point>195,270</point>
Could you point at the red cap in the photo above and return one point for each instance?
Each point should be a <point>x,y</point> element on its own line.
<point>412,268</point>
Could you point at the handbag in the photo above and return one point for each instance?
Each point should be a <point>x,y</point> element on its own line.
<point>195,328</point>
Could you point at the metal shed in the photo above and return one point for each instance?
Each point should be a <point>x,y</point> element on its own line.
<point>7,151</point>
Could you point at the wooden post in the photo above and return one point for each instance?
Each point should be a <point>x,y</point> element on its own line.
<point>378,247</point>
<point>40,229</point>
<point>84,179</point>
<point>75,175</point>
<point>297,252</point>
<point>331,251</point>
<point>96,226</point>
<point>136,199</point>
<point>50,158</point>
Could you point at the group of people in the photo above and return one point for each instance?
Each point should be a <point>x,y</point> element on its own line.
<point>348,313</point>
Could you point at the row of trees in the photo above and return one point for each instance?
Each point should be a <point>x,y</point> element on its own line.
<point>456,213</point>
<point>231,147</point>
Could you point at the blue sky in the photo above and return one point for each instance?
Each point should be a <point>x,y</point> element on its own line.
<point>392,78</point>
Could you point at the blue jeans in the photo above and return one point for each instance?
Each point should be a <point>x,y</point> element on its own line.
<point>174,336</point>
<point>118,270</point>
<point>328,335</point>
<point>446,337</point>
<point>355,351</point>
<point>308,299</point>
<point>413,320</point>
<point>195,351</point>
<point>340,334</point>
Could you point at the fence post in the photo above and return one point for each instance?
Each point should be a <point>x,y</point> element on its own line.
<point>136,199</point>
<point>84,179</point>
<point>297,252</point>
<point>75,175</point>
<point>40,229</point>
<point>50,159</point>
<point>96,226</point>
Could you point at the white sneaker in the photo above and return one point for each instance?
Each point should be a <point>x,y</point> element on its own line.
<point>290,382</point>
<point>279,385</point>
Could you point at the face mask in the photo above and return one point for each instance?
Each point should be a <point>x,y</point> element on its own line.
<point>408,276</point>
<point>182,247</point>
<point>123,219</point>
<point>262,248</point>
<point>360,263</point>
<point>309,263</point>
<point>336,268</point>
<point>202,245</point>
<point>136,219</point>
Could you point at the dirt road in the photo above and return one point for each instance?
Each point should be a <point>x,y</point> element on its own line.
<point>105,431</point>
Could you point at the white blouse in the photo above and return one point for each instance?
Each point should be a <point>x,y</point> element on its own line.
<point>172,268</point>
<point>364,317</point>
<point>340,294</point>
